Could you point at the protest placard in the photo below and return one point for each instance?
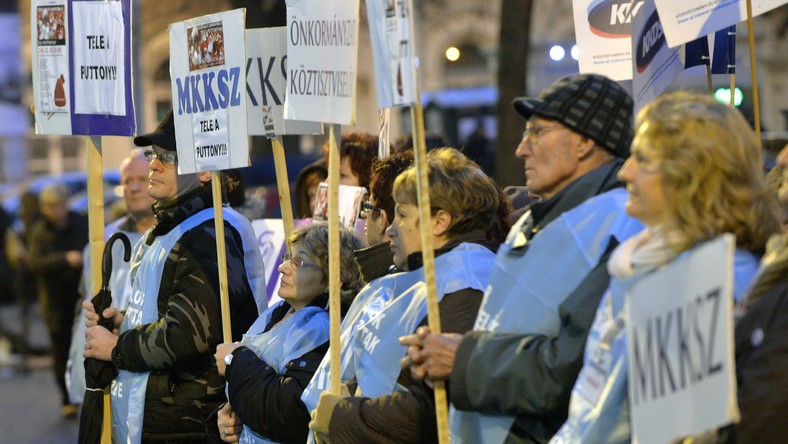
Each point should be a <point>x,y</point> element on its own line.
<point>687,20</point>
<point>322,52</point>
<point>391,32</point>
<point>350,198</point>
<point>271,241</point>
<point>682,379</point>
<point>82,67</point>
<point>655,64</point>
<point>603,29</point>
<point>207,65</point>
<point>266,83</point>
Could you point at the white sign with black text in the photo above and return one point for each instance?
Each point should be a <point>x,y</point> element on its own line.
<point>682,379</point>
<point>322,53</point>
<point>266,83</point>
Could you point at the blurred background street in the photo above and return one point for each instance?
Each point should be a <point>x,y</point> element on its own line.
<point>29,399</point>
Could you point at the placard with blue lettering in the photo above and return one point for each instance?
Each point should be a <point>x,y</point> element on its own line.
<point>322,53</point>
<point>688,20</point>
<point>680,346</point>
<point>655,64</point>
<point>393,50</point>
<point>603,29</point>
<point>207,66</point>
<point>266,82</point>
<point>82,67</point>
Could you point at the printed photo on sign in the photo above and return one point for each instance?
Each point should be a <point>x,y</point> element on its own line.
<point>52,59</point>
<point>268,121</point>
<point>51,27</point>
<point>206,45</point>
<point>350,198</point>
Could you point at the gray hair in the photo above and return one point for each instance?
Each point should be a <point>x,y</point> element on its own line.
<point>314,239</point>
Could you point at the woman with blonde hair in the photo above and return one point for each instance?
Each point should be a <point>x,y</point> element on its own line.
<point>694,174</point>
<point>464,204</point>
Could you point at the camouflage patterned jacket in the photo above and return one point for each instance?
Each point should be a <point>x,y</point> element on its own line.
<point>184,385</point>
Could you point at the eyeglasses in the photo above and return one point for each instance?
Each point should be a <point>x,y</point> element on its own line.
<point>368,207</point>
<point>533,133</point>
<point>165,158</point>
<point>299,263</point>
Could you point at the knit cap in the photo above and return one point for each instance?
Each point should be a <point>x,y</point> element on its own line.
<point>589,104</point>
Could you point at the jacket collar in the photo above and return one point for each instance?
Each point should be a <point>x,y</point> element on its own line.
<point>597,181</point>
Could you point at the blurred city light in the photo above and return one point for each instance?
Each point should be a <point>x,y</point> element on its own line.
<point>724,95</point>
<point>452,54</point>
<point>557,53</point>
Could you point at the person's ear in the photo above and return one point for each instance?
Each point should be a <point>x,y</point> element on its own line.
<point>204,176</point>
<point>383,224</point>
<point>441,221</point>
<point>584,147</point>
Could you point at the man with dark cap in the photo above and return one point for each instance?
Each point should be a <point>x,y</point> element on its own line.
<point>167,383</point>
<point>511,378</point>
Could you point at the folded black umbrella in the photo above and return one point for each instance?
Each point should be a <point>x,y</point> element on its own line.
<point>99,374</point>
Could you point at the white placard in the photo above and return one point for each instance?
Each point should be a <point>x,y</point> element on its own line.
<point>393,50</point>
<point>266,84</point>
<point>655,64</point>
<point>682,379</point>
<point>349,205</point>
<point>322,52</point>
<point>687,20</point>
<point>50,66</point>
<point>271,241</point>
<point>99,57</point>
<point>207,66</point>
<point>603,29</point>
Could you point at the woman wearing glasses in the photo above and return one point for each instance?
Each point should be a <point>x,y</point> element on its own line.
<point>465,204</point>
<point>267,371</point>
<point>694,174</point>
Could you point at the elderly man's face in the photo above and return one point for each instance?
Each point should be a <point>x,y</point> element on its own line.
<point>134,180</point>
<point>549,161</point>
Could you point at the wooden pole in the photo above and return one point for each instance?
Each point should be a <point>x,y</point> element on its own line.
<point>708,78</point>
<point>283,185</point>
<point>428,255</point>
<point>732,89</point>
<point>756,106</point>
<point>221,255</point>
<point>95,178</point>
<point>333,257</point>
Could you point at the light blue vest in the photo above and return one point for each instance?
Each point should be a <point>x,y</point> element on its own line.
<point>302,332</point>
<point>602,415</point>
<point>376,347</point>
<point>526,290</point>
<point>128,389</point>
<point>120,287</point>
<point>369,302</point>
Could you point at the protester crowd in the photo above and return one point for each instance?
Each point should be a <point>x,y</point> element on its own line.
<point>531,294</point>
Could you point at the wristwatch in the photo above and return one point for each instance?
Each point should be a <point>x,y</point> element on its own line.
<point>228,359</point>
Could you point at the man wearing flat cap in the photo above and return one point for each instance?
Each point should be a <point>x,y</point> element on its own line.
<point>167,382</point>
<point>511,378</point>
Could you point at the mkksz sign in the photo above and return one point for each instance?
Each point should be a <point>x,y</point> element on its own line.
<point>680,331</point>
